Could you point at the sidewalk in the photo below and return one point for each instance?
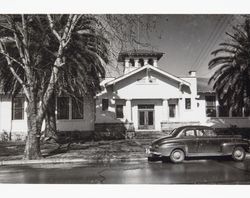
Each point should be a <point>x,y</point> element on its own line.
<point>89,152</point>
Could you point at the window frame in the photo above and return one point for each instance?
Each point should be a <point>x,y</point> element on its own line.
<point>58,109</point>
<point>172,105</point>
<point>13,108</point>
<point>188,106</point>
<point>221,111</point>
<point>105,106</point>
<point>116,111</point>
<point>81,102</point>
<point>213,106</point>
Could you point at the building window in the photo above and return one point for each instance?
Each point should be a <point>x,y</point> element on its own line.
<point>237,113</point>
<point>105,104</point>
<point>172,110</point>
<point>62,108</point>
<point>246,111</point>
<point>77,108</point>
<point>18,108</point>
<point>131,62</point>
<point>223,111</point>
<point>119,111</point>
<point>141,62</point>
<point>210,106</point>
<point>151,61</point>
<point>188,103</point>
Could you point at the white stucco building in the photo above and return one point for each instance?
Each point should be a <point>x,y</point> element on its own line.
<point>145,97</point>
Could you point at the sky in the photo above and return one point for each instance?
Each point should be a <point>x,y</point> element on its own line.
<point>187,40</point>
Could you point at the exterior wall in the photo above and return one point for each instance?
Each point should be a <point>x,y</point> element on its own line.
<point>17,129</point>
<point>14,129</point>
<point>6,122</point>
<point>85,124</point>
<point>157,93</point>
<point>131,88</point>
<point>219,122</point>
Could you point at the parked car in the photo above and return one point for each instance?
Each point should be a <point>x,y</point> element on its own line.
<point>192,141</point>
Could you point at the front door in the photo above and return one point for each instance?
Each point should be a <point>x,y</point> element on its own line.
<point>146,116</point>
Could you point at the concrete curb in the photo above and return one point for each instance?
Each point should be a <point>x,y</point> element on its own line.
<point>56,161</point>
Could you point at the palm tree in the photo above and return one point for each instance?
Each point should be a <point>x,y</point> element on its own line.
<point>232,78</point>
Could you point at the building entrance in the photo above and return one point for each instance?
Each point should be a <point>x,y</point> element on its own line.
<point>146,116</point>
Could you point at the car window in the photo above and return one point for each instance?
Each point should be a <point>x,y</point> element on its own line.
<point>200,132</point>
<point>189,132</point>
<point>209,132</point>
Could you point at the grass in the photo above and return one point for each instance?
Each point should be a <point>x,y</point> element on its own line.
<point>98,150</point>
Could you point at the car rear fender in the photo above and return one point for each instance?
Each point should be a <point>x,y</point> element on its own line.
<point>227,148</point>
<point>166,149</point>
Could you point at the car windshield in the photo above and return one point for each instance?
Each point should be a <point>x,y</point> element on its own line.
<point>175,132</point>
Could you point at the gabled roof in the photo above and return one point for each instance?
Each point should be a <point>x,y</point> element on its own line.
<point>138,53</point>
<point>166,74</point>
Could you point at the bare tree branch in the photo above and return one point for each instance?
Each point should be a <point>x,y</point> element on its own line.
<point>13,71</point>
<point>52,27</point>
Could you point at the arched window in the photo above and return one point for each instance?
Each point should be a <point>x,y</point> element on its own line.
<point>141,62</point>
<point>131,62</point>
<point>150,61</point>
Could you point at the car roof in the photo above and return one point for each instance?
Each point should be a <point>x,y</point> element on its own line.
<point>194,126</point>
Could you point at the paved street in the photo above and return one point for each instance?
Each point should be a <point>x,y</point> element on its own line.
<point>202,171</point>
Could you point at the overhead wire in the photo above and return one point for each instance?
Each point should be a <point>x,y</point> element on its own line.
<point>212,33</point>
<point>213,43</point>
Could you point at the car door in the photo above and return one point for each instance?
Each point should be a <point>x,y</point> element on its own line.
<point>208,143</point>
<point>189,139</point>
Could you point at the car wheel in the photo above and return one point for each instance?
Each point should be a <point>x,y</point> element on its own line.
<point>238,154</point>
<point>177,156</point>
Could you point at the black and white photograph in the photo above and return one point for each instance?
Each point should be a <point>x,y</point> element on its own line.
<point>125,98</point>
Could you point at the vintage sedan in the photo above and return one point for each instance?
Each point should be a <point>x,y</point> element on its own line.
<point>192,141</point>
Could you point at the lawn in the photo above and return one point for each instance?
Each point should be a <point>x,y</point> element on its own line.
<point>95,150</point>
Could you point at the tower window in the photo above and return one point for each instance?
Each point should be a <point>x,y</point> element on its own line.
<point>131,62</point>
<point>150,61</point>
<point>141,62</point>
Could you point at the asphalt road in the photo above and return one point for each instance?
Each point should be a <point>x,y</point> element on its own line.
<point>202,171</point>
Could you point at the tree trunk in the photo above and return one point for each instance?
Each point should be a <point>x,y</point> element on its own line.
<point>50,119</point>
<point>32,147</point>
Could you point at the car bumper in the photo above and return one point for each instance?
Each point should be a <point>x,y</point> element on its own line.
<point>151,153</point>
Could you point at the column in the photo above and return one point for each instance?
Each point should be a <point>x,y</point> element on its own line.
<point>136,60</point>
<point>155,62</point>
<point>126,62</point>
<point>126,65</point>
<point>128,110</point>
<point>181,106</point>
<point>165,109</point>
<point>145,60</point>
